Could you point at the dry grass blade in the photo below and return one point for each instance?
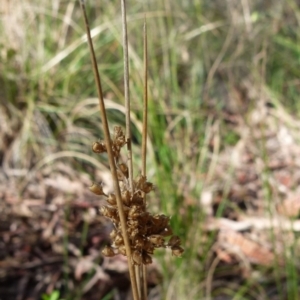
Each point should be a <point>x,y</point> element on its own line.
<point>111,157</point>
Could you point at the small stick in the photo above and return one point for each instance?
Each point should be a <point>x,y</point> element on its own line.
<point>143,272</point>
<point>111,156</point>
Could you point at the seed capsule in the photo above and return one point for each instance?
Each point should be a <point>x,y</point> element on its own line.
<point>174,241</point>
<point>146,258</point>
<point>133,223</point>
<point>96,189</point>
<point>113,234</point>
<point>137,257</point>
<point>147,187</point>
<point>122,250</point>
<point>138,241</point>
<point>138,199</point>
<point>119,240</point>
<point>133,232</point>
<point>119,137</point>
<point>160,221</point>
<point>144,217</point>
<point>111,199</point>
<point>177,251</point>
<point>157,240</point>
<point>99,147</point>
<point>126,197</point>
<point>167,231</point>
<point>108,251</point>
<point>109,212</point>
<point>116,151</point>
<point>134,212</point>
<point>148,247</point>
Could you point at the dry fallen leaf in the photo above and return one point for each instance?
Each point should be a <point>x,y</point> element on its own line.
<point>290,207</point>
<point>253,251</point>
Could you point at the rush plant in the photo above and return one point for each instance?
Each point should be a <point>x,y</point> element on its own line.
<point>137,232</point>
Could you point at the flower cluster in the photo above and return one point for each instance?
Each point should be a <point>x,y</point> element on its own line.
<point>146,231</point>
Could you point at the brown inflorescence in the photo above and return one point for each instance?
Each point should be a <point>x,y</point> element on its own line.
<point>146,231</point>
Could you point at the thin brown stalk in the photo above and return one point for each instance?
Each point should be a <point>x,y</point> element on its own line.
<point>127,109</point>
<point>126,92</point>
<point>143,272</point>
<point>145,109</point>
<point>111,156</point>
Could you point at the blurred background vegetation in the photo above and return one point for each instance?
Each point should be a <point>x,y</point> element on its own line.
<point>208,61</point>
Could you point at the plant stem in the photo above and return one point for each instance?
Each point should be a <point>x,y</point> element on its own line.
<point>127,113</point>
<point>143,272</point>
<point>126,92</point>
<point>111,157</point>
<point>145,108</point>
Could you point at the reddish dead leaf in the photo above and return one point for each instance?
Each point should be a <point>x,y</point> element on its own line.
<point>224,256</point>
<point>255,252</point>
<point>284,178</point>
<point>290,207</point>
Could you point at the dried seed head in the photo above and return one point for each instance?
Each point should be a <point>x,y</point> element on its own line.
<point>137,257</point>
<point>99,147</point>
<point>145,231</point>
<point>111,199</point>
<point>96,189</point>
<point>108,251</point>
<point>177,251</point>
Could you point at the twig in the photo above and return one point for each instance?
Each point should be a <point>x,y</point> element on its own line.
<point>111,156</point>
